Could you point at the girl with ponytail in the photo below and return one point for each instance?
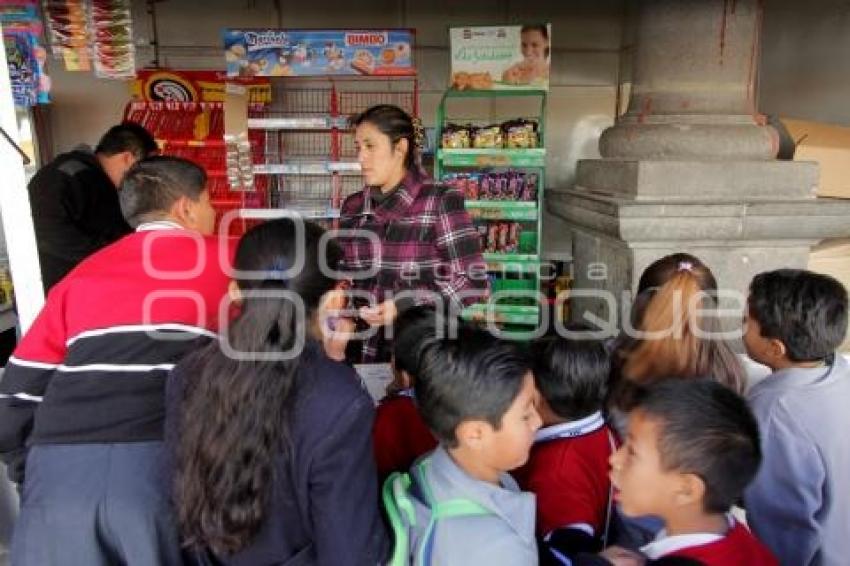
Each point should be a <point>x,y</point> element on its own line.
<point>272,451</point>
<point>677,332</point>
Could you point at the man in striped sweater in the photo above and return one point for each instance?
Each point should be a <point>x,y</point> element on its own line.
<point>82,398</point>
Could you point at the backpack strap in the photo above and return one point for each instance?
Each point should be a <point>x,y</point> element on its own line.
<point>610,506</point>
<point>396,498</point>
<point>458,507</point>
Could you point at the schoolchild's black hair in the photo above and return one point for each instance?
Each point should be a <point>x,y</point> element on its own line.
<point>472,377</point>
<point>708,430</point>
<point>807,311</point>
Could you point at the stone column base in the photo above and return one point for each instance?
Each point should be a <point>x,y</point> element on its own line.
<point>615,239</point>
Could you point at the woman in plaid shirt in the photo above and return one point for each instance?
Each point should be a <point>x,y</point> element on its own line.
<point>416,242</point>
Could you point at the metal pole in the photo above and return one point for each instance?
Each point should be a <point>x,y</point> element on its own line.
<point>17,216</point>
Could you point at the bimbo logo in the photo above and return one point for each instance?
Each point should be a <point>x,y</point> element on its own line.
<point>256,40</point>
<point>365,39</point>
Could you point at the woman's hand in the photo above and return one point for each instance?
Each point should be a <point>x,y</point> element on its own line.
<point>380,315</point>
<point>336,330</point>
<point>335,338</point>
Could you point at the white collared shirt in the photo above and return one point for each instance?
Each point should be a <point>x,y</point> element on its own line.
<point>158,225</point>
<point>571,429</point>
<point>664,545</point>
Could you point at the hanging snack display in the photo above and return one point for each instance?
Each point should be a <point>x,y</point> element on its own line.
<point>25,56</point>
<point>239,161</point>
<point>92,34</point>
<point>111,36</point>
<point>68,32</point>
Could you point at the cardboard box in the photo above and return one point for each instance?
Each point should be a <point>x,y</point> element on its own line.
<point>832,257</point>
<point>829,146</point>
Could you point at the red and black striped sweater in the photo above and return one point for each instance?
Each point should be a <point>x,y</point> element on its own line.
<point>92,367</point>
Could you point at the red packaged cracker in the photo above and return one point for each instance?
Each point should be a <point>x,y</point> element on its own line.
<point>504,228</point>
<point>482,230</point>
<point>513,238</point>
<point>493,237</point>
<point>484,187</point>
<point>472,187</point>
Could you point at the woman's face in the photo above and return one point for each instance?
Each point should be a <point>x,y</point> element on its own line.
<point>381,164</point>
<point>533,45</point>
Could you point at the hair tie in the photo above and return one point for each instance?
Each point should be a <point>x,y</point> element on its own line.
<point>685,266</point>
<point>419,138</point>
<point>278,271</point>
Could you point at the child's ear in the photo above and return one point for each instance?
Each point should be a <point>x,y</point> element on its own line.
<point>405,379</point>
<point>777,348</point>
<point>234,293</point>
<point>690,490</point>
<point>472,434</point>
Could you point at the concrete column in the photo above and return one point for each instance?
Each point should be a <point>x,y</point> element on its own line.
<point>693,84</point>
<point>690,166</point>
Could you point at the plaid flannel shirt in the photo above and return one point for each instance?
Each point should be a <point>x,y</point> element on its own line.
<point>428,246</point>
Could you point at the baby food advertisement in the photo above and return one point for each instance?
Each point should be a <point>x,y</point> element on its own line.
<point>500,57</point>
<point>310,53</point>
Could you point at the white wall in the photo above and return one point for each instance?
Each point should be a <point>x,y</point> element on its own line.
<point>586,53</point>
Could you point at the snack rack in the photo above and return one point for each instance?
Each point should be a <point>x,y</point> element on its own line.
<point>309,163</point>
<point>515,271</point>
<point>195,131</point>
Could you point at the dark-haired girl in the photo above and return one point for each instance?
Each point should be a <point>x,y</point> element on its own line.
<point>428,250</point>
<point>272,438</point>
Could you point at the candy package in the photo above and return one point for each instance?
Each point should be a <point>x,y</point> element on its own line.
<point>456,137</point>
<point>487,137</point>
<point>510,185</point>
<point>520,134</point>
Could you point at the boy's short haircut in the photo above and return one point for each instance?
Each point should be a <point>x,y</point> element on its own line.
<point>127,136</point>
<point>806,311</point>
<point>412,327</point>
<point>473,377</point>
<point>151,186</point>
<point>571,374</point>
<point>708,430</point>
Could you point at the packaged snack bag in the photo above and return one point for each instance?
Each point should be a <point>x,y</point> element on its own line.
<point>493,237</point>
<point>513,238</point>
<point>487,137</point>
<point>472,192</point>
<point>455,137</point>
<point>520,134</point>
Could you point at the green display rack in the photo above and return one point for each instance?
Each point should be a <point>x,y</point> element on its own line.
<point>516,273</point>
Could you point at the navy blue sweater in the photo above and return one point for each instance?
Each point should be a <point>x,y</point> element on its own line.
<point>324,502</point>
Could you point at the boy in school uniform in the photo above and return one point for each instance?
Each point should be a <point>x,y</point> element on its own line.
<point>568,466</point>
<point>691,449</point>
<point>459,505</point>
<point>399,434</point>
<point>797,504</point>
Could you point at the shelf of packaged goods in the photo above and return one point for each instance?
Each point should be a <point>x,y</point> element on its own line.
<point>495,93</point>
<point>525,263</point>
<point>298,123</point>
<point>211,142</point>
<point>272,213</point>
<point>492,157</point>
<point>504,314</point>
<point>308,168</point>
<point>502,209</point>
